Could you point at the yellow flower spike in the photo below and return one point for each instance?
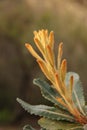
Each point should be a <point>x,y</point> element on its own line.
<point>51,39</point>
<point>43,37</point>
<point>45,70</point>
<point>59,86</point>
<point>63,69</point>
<point>60,100</point>
<point>32,51</point>
<point>43,32</point>
<point>46,36</point>
<point>50,55</point>
<point>40,35</point>
<point>46,33</point>
<point>59,57</point>
<point>35,33</point>
<point>39,45</point>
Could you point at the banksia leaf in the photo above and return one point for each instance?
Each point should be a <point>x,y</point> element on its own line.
<point>48,92</point>
<point>58,125</point>
<point>78,96</point>
<point>28,127</point>
<point>45,111</point>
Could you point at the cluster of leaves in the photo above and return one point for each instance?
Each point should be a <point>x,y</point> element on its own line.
<point>69,111</point>
<point>57,116</point>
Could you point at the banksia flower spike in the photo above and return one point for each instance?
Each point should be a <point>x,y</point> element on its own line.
<point>65,90</point>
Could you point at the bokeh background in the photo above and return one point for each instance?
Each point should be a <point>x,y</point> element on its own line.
<point>18,20</point>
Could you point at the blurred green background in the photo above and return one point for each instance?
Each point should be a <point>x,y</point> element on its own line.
<point>18,20</point>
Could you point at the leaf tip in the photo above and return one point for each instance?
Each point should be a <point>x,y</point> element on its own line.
<point>18,100</point>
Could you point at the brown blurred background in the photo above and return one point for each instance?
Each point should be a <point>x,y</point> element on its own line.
<point>18,20</point>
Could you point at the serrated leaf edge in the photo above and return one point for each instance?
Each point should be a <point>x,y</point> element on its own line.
<point>65,117</point>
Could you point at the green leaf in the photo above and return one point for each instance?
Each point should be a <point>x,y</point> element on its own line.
<point>28,127</point>
<point>78,96</point>
<point>45,111</point>
<point>48,92</point>
<point>58,125</point>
